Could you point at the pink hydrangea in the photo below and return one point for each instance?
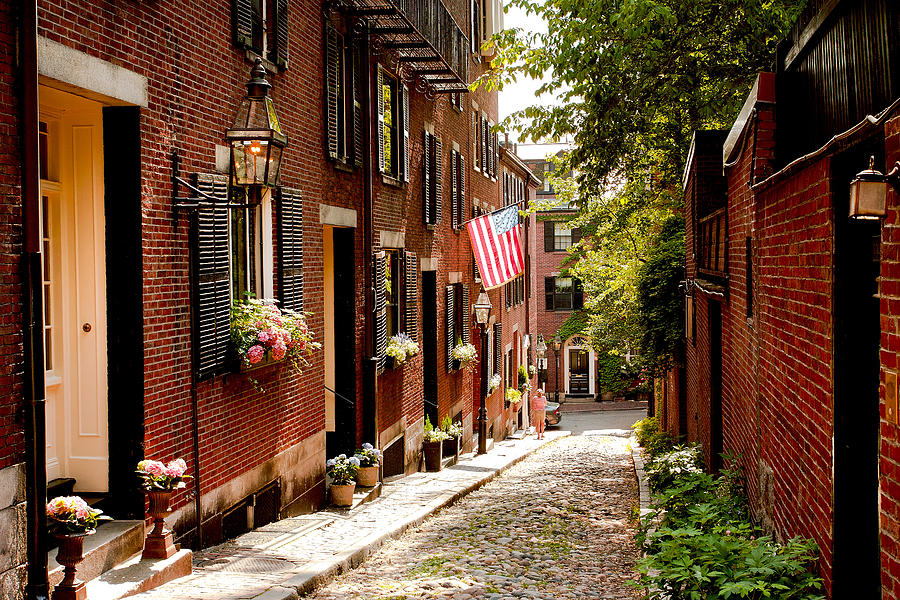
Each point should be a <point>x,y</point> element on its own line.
<point>263,337</point>
<point>153,467</point>
<point>278,350</point>
<point>255,354</point>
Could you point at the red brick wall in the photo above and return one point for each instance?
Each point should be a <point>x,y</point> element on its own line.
<point>889,464</point>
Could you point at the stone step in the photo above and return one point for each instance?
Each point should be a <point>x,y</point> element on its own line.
<point>139,575</point>
<point>114,543</point>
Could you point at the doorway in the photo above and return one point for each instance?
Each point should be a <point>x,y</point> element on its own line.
<point>74,286</point>
<point>578,371</point>
<point>340,339</point>
<point>429,345</point>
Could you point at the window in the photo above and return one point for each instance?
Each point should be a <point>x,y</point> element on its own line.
<point>559,236</point>
<point>261,27</point>
<point>393,126</point>
<point>249,235</point>
<point>456,101</point>
<point>432,178</point>
<point>477,31</point>
<point>343,108</point>
<point>456,319</point>
<point>392,291</point>
<point>515,292</point>
<point>713,243</point>
<point>563,293</point>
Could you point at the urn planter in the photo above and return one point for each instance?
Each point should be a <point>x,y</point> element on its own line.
<point>342,494</point>
<point>433,455</point>
<point>160,541</point>
<point>451,447</point>
<point>71,549</point>
<point>367,476</point>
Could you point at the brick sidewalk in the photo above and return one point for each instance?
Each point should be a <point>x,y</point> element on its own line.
<point>291,557</point>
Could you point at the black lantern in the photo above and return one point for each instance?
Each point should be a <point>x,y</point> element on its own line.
<point>256,140</point>
<point>482,308</point>
<point>868,191</point>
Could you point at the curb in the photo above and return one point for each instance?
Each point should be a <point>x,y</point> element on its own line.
<point>324,572</point>
<point>641,474</point>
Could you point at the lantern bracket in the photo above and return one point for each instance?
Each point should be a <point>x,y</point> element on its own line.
<point>199,200</point>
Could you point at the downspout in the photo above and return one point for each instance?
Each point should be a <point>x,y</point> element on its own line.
<point>370,370</point>
<point>38,585</point>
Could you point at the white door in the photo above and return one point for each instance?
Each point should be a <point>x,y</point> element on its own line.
<point>74,290</point>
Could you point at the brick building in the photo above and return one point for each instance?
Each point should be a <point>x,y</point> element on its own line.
<point>789,300</point>
<point>560,297</point>
<point>387,155</point>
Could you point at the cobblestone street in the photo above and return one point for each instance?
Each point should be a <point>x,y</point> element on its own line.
<point>554,526</point>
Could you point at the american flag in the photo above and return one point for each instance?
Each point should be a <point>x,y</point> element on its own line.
<point>496,245</point>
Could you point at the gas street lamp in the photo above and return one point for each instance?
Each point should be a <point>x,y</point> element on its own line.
<point>557,344</point>
<point>482,308</point>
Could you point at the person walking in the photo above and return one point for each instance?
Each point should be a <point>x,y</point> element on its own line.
<point>539,412</point>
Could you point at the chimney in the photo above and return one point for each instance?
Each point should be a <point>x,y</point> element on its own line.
<point>506,141</point>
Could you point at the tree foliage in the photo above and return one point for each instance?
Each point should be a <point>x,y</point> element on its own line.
<point>633,79</point>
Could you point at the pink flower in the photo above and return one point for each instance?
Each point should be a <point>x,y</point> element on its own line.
<point>278,350</point>
<point>263,336</point>
<point>154,467</point>
<point>255,354</point>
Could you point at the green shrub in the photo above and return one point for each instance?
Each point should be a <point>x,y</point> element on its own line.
<point>667,468</point>
<point>645,428</point>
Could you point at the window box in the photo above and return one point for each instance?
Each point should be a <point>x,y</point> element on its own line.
<point>262,334</point>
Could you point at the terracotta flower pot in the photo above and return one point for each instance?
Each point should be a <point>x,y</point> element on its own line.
<point>433,455</point>
<point>160,541</point>
<point>367,476</point>
<point>71,549</point>
<point>342,495</point>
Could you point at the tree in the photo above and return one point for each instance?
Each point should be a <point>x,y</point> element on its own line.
<point>633,79</point>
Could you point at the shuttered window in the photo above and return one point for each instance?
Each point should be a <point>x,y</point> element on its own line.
<point>378,262</point>
<point>450,323</point>
<point>465,309</point>
<point>290,248</point>
<point>498,348</point>
<point>411,308</point>
<point>557,236</point>
<point>563,293</point>
<point>211,279</point>
<point>432,186</point>
<point>392,103</point>
<point>457,188</point>
<point>262,27</point>
<point>335,95</point>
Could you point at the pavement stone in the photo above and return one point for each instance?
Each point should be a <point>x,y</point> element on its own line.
<point>294,556</point>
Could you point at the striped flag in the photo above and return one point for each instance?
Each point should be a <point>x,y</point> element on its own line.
<point>497,246</point>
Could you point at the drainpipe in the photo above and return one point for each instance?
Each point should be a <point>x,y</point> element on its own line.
<point>38,585</point>
<point>370,367</point>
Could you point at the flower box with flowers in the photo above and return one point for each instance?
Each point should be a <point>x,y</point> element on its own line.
<point>465,356</point>
<point>399,349</point>
<point>264,334</point>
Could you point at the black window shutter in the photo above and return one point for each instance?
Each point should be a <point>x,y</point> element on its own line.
<point>495,145</point>
<point>379,103</point>
<point>484,144</point>
<point>454,191</point>
<point>549,291</point>
<point>290,248</point>
<point>548,236</point>
<point>212,281</point>
<point>332,84</point>
<point>498,348</point>
<point>576,235</point>
<point>428,213</point>
<point>577,295</point>
<point>461,210</point>
<point>242,16</point>
<point>437,177</point>
<point>507,294</point>
<point>378,262</point>
<point>356,80</point>
<point>450,320</point>
<point>412,296</point>
<point>281,33</point>
<point>405,140</point>
<point>464,310</point>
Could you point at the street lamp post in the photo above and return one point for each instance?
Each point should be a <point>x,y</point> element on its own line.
<point>482,309</point>
<point>557,344</point>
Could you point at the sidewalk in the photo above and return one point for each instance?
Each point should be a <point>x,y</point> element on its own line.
<point>288,558</point>
<point>570,406</point>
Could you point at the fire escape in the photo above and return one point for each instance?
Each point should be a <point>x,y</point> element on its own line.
<point>424,37</point>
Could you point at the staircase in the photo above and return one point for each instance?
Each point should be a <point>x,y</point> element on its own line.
<point>112,564</point>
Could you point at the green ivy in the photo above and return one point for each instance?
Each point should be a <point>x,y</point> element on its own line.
<point>574,325</point>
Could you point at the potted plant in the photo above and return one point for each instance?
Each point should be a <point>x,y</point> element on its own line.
<point>263,334</point>
<point>455,432</point>
<point>369,459</point>
<point>514,397</point>
<point>160,482</point>
<point>342,471</point>
<point>71,519</point>
<point>399,349</point>
<point>465,355</point>
<point>433,444</point>
<point>494,383</point>
<point>523,378</point>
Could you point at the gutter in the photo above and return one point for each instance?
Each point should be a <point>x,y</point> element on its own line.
<point>370,368</point>
<point>34,402</point>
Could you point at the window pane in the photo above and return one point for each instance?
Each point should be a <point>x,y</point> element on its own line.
<point>562,236</point>
<point>392,291</point>
<point>239,254</point>
<point>387,98</point>
<point>44,149</point>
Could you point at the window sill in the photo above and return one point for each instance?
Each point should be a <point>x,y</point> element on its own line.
<point>430,226</point>
<point>391,181</point>
<point>342,166</point>
<point>252,55</point>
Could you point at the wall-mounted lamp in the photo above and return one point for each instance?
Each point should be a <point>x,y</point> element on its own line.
<point>482,308</point>
<point>868,191</point>
<point>256,139</point>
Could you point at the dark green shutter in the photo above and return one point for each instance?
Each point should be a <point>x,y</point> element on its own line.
<point>461,211</point>
<point>427,212</point>
<point>549,291</point>
<point>356,80</point>
<point>436,179</point>
<point>412,296</point>
<point>454,191</point>
<point>465,311</point>
<point>290,248</point>
<point>379,104</point>
<point>405,137</point>
<point>242,22</point>
<point>450,322</point>
<point>281,33</point>
<point>548,236</point>
<point>332,85</point>
<point>212,282</point>
<point>498,348</point>
<point>577,295</point>
<point>378,263</point>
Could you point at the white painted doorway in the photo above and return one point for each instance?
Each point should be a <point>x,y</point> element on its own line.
<point>579,367</point>
<point>74,269</point>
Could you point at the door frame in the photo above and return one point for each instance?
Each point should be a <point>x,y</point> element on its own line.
<point>579,343</point>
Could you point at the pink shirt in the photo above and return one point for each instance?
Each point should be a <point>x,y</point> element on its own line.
<point>539,402</point>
